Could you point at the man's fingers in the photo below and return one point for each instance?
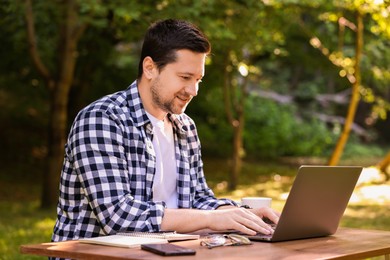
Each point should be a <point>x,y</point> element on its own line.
<point>251,224</point>
<point>247,221</point>
<point>266,212</point>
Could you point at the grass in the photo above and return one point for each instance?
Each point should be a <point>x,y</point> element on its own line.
<point>23,222</point>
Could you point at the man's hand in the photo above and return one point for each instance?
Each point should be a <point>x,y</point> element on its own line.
<point>248,221</point>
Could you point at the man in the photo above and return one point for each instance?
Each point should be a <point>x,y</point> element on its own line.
<point>133,159</point>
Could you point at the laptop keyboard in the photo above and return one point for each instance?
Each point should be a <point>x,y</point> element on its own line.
<point>261,236</point>
<point>269,222</point>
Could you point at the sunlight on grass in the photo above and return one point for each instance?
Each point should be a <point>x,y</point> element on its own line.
<point>370,175</point>
<point>23,223</point>
<point>369,206</point>
<point>46,224</point>
<point>371,188</point>
<point>372,194</point>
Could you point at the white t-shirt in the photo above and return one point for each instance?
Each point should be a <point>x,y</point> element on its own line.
<point>165,179</point>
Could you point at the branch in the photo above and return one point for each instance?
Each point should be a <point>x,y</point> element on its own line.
<point>316,43</point>
<point>338,98</point>
<point>72,30</point>
<point>227,93</point>
<point>42,69</point>
<point>346,23</point>
<point>323,99</point>
<point>341,120</point>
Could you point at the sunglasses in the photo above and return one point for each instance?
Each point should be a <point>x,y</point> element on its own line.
<point>224,240</point>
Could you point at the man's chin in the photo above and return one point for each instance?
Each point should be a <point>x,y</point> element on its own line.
<point>178,111</point>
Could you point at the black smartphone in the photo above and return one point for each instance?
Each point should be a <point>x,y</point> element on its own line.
<point>168,249</point>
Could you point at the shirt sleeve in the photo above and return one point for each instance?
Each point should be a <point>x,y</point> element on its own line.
<point>97,148</point>
<point>204,197</point>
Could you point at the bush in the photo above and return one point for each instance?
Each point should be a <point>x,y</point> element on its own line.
<point>209,115</point>
<point>273,130</point>
<point>355,149</point>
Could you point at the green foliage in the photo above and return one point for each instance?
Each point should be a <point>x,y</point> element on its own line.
<point>272,38</point>
<point>208,112</point>
<point>356,150</point>
<point>273,131</point>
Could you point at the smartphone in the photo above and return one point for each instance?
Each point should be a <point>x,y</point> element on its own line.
<point>168,249</point>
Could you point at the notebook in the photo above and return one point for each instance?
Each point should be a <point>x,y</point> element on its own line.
<point>136,239</point>
<point>316,203</point>
<point>168,235</point>
<point>123,241</point>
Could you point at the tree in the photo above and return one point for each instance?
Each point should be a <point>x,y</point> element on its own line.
<point>57,65</point>
<point>231,27</point>
<point>240,32</point>
<point>355,95</point>
<point>350,65</point>
<point>361,9</point>
<point>247,36</point>
<point>58,83</point>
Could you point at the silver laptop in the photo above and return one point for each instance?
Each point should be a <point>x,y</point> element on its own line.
<point>316,203</point>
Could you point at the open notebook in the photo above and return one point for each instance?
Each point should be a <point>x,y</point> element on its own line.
<point>136,239</point>
<point>123,241</point>
<point>168,235</point>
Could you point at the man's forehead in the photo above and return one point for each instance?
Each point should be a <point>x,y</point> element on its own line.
<point>190,63</point>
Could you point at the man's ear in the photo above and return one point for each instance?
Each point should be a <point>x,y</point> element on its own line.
<point>149,67</point>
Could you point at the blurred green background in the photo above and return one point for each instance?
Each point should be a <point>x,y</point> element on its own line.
<point>284,70</point>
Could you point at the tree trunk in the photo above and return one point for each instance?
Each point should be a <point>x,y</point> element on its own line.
<point>238,128</point>
<point>238,125</point>
<point>384,164</point>
<point>56,143</point>
<point>59,87</point>
<point>234,110</point>
<point>335,157</point>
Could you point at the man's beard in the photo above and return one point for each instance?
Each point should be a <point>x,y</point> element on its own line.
<point>165,105</point>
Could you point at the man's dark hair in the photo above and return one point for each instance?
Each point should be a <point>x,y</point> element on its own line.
<point>164,38</point>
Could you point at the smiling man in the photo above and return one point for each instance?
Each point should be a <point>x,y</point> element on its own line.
<point>133,159</point>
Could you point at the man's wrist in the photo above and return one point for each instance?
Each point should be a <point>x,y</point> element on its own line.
<point>225,206</point>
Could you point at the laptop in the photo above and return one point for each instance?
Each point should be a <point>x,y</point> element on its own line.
<point>316,203</point>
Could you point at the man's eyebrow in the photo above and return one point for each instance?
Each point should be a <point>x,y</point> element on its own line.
<point>191,74</point>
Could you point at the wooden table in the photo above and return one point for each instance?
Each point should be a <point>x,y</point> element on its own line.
<point>345,244</point>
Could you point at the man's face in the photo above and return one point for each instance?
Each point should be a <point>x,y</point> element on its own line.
<point>178,82</point>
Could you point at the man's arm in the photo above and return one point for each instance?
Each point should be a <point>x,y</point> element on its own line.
<point>248,221</point>
<point>98,151</point>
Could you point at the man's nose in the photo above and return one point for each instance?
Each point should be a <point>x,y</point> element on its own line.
<point>192,89</point>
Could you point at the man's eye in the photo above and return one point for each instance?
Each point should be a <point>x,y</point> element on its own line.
<point>185,77</point>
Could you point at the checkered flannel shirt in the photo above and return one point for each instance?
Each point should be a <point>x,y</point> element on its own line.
<point>109,166</point>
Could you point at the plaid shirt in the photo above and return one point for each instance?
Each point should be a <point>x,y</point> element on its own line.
<point>109,166</point>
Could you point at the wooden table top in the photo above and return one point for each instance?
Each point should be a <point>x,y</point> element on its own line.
<point>345,244</point>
